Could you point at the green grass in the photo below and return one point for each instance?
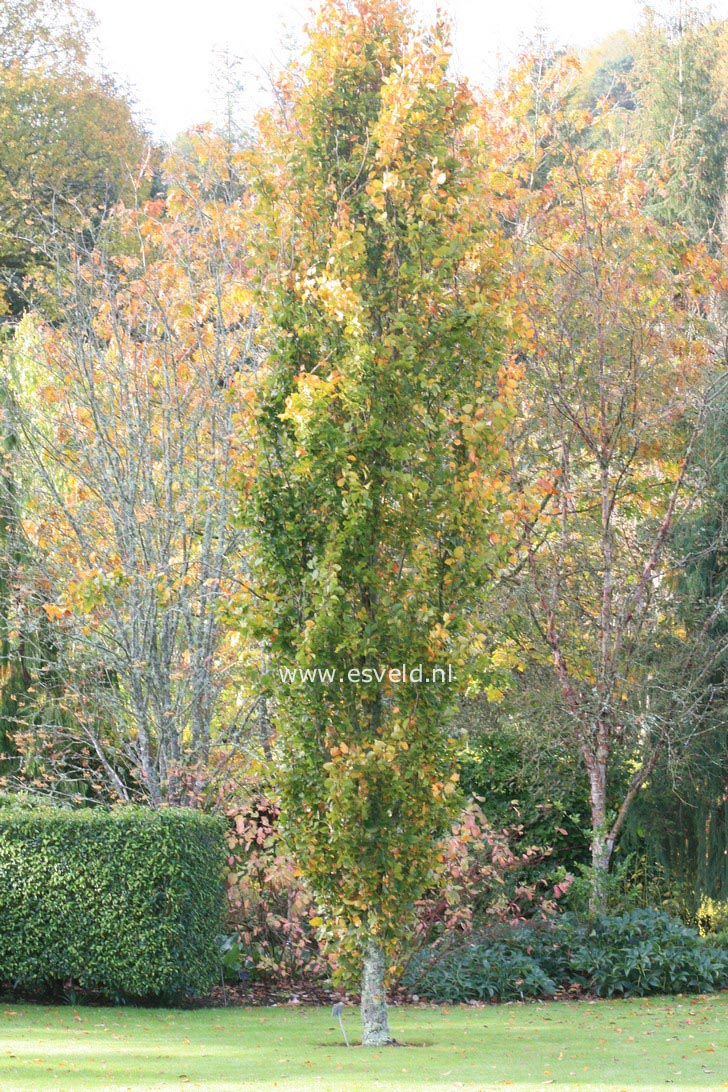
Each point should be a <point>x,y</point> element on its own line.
<point>637,1044</point>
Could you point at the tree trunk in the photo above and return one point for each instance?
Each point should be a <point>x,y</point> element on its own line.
<point>601,841</point>
<point>374,1016</point>
<point>601,853</point>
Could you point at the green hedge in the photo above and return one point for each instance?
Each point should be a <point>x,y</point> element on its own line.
<point>128,902</point>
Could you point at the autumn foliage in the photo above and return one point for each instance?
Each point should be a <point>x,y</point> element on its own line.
<point>128,418</point>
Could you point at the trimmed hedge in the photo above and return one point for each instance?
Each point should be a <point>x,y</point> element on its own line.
<point>128,901</point>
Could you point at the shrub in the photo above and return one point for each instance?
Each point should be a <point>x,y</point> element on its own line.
<point>719,940</point>
<point>633,883</point>
<point>479,971</point>
<point>531,959</point>
<point>480,876</point>
<point>647,951</point>
<point>269,906</point>
<point>128,902</point>
<point>638,953</point>
<point>551,944</point>
<point>712,916</point>
<point>548,800</point>
<point>485,876</point>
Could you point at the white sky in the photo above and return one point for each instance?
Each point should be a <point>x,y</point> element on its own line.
<point>164,50</point>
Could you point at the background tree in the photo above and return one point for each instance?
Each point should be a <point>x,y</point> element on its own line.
<point>70,145</point>
<point>619,372</point>
<point>681,92</point>
<point>128,449</point>
<point>669,85</point>
<point>49,34</point>
<point>520,773</point>
<point>379,481</point>
<point>681,825</point>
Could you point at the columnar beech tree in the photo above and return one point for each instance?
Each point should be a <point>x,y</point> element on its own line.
<point>379,489</point>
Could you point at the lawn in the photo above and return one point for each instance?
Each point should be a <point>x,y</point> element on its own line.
<point>680,1041</point>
